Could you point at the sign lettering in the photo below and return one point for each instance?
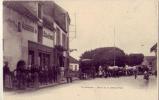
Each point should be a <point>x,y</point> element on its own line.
<point>47,35</point>
<point>28,27</point>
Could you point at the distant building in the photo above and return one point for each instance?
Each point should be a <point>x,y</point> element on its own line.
<point>148,61</point>
<point>154,49</point>
<point>36,32</point>
<point>74,64</point>
<point>154,63</point>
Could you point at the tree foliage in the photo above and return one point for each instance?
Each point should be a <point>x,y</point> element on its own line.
<point>105,56</point>
<point>134,59</point>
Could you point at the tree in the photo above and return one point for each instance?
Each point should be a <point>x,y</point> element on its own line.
<point>134,59</point>
<point>105,56</point>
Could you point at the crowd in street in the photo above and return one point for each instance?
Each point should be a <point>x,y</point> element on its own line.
<point>31,76</point>
<point>114,71</point>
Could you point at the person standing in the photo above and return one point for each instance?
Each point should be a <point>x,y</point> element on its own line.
<point>36,76</point>
<point>54,73</point>
<point>93,72</point>
<point>68,76</point>
<point>28,75</point>
<point>47,74</point>
<point>50,74</point>
<point>155,73</point>
<point>135,73</point>
<point>6,75</point>
<point>58,74</point>
<point>21,74</point>
<point>146,75</point>
<point>100,71</point>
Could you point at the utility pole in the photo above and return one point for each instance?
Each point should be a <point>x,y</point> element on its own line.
<point>75,28</point>
<point>114,47</point>
<point>157,8</point>
<point>157,36</point>
<point>158,18</point>
<point>73,31</point>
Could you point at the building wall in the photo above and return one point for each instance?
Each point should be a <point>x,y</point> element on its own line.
<point>48,37</point>
<point>61,36</point>
<point>154,65</point>
<point>62,43</point>
<point>74,66</point>
<point>16,43</point>
<point>31,6</point>
<point>145,62</point>
<point>151,63</point>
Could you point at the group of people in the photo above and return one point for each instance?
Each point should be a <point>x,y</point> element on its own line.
<point>111,72</point>
<point>115,71</point>
<point>6,75</point>
<point>32,76</point>
<point>101,72</point>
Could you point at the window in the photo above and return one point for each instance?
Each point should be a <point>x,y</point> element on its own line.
<point>39,10</point>
<point>75,67</point>
<point>19,27</point>
<point>71,67</point>
<point>67,43</point>
<point>44,59</point>
<point>63,40</point>
<point>40,34</point>
<point>31,57</point>
<point>58,36</point>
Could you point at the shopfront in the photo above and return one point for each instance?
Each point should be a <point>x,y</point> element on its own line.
<point>40,55</point>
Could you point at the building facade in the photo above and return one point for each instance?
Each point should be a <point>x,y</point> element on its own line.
<point>154,63</point>
<point>150,61</point>
<point>36,32</point>
<point>74,64</point>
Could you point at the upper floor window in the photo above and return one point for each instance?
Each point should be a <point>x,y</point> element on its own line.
<point>64,40</point>
<point>39,10</point>
<point>58,36</point>
<point>19,27</point>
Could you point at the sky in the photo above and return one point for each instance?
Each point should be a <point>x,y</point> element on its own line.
<point>132,25</point>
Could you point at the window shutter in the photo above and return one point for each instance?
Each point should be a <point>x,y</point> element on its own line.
<point>19,27</point>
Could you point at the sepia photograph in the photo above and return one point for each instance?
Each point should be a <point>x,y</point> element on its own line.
<point>80,49</point>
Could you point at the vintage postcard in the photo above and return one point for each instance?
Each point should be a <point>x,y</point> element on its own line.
<point>80,49</point>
